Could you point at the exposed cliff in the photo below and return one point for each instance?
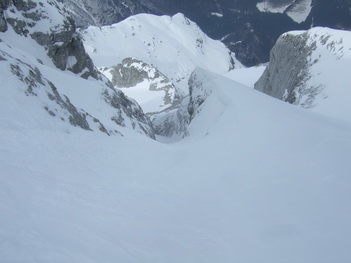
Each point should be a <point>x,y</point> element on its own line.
<point>310,69</point>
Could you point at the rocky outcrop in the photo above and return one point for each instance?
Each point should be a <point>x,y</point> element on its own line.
<point>132,74</point>
<point>155,93</point>
<point>128,108</point>
<point>288,69</point>
<point>3,24</point>
<point>173,122</point>
<point>56,105</point>
<point>311,69</point>
<point>56,34</point>
<point>92,105</point>
<point>198,92</point>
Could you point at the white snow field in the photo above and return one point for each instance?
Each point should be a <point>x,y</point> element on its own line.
<point>257,180</point>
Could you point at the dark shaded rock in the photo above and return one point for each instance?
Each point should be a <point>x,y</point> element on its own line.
<point>174,121</point>
<point>130,109</point>
<point>24,5</point>
<point>3,5</point>
<point>63,44</point>
<point>125,75</point>
<point>198,93</point>
<point>19,26</point>
<point>35,83</point>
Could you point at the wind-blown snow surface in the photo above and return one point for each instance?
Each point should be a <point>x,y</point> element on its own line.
<point>257,180</point>
<point>175,45</point>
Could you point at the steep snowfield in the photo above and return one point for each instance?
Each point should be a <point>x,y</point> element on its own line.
<point>297,10</point>
<point>257,180</point>
<point>175,45</point>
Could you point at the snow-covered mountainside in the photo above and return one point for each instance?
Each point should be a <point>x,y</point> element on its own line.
<point>174,45</point>
<point>45,70</point>
<point>311,69</point>
<point>297,10</point>
<point>244,29</point>
<point>255,181</point>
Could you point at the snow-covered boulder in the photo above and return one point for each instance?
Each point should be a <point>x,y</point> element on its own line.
<point>311,69</point>
<point>48,80</point>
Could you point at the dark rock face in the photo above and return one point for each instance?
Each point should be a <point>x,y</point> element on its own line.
<point>249,33</point>
<point>62,42</point>
<point>3,24</point>
<point>131,109</point>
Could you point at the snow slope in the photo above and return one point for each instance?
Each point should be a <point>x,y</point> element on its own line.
<point>174,45</point>
<point>42,81</point>
<point>257,180</point>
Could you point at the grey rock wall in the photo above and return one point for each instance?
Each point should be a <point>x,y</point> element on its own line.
<point>288,68</point>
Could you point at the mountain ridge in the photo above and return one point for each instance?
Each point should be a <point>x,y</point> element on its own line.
<point>242,27</point>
